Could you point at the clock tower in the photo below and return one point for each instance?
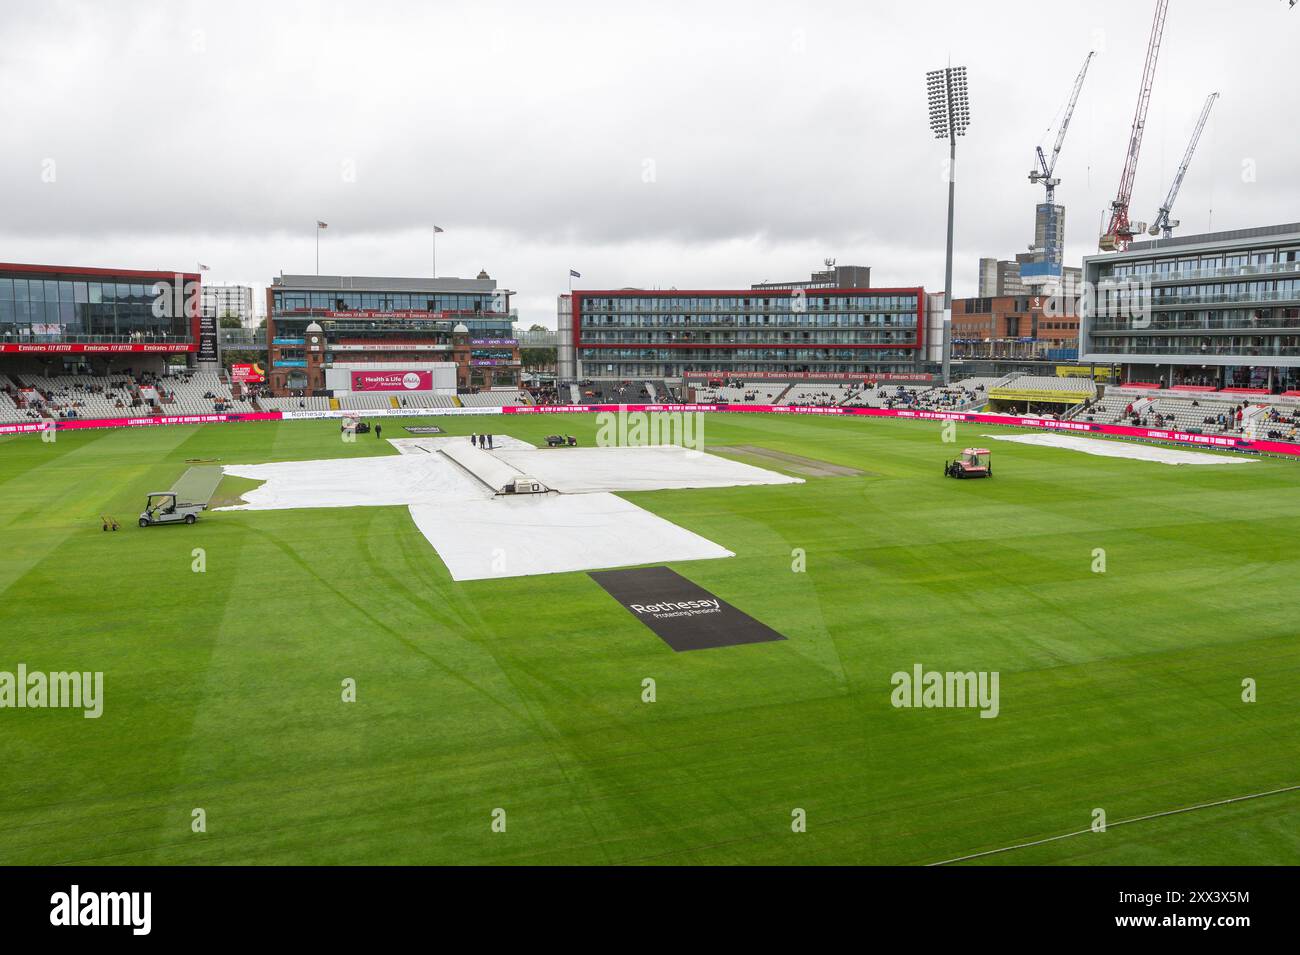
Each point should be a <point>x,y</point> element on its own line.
<point>314,349</point>
<point>460,354</point>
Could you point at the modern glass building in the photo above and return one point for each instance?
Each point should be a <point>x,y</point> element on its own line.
<point>52,309</point>
<point>391,320</point>
<point>1221,308</point>
<point>634,333</point>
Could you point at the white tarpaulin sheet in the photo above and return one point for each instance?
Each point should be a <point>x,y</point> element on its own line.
<point>580,525</point>
<point>356,482</point>
<point>634,469</point>
<point>1121,449</point>
<point>521,535</point>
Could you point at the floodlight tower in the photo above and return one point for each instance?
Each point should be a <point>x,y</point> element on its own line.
<point>949,117</point>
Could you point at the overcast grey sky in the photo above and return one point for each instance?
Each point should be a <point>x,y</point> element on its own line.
<point>697,144</point>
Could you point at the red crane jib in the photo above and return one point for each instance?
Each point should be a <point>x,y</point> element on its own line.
<point>1120,231</point>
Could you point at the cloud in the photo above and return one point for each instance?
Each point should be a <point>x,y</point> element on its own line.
<point>675,143</point>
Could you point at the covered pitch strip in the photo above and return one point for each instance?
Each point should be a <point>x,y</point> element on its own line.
<point>453,492</point>
<point>489,470</point>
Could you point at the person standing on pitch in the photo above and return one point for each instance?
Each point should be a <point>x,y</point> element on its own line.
<point>473,439</point>
<point>379,429</point>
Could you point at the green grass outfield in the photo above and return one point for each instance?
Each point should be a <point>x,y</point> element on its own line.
<point>1119,690</point>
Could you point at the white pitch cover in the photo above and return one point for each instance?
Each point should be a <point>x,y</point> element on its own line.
<point>447,485</point>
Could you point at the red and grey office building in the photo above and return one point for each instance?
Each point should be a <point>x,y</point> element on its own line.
<point>644,333</point>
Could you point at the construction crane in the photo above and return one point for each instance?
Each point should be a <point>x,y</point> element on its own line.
<point>1163,223</point>
<point>1120,231</point>
<point>1043,173</point>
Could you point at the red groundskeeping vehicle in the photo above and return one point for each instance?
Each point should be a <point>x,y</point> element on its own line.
<point>973,463</point>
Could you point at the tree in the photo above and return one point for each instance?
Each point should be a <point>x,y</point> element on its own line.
<point>537,359</point>
<point>230,321</point>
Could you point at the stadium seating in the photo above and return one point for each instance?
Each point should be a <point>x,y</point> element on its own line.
<point>1070,386</point>
<point>614,392</point>
<point>1106,410</point>
<point>365,401</point>
<point>670,393</point>
<point>968,394</point>
<point>497,399</point>
<point>1164,409</point>
<point>758,393</point>
<point>9,410</point>
<point>821,396</point>
<point>426,400</point>
<point>1187,414</point>
<point>203,392</point>
<point>887,396</point>
<point>864,398</point>
<point>1272,424</point>
<point>307,403</point>
<point>115,396</point>
<point>83,396</point>
<point>199,392</point>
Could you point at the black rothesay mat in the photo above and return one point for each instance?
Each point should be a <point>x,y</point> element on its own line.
<point>683,614</point>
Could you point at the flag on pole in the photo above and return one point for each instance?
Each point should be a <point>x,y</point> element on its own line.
<point>322,225</point>
<point>202,267</point>
<point>575,274</point>
<point>439,228</point>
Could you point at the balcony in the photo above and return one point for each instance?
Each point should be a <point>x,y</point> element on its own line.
<point>777,306</point>
<point>1236,271</point>
<point>414,314</point>
<point>718,328</point>
<point>833,318</point>
<point>1165,301</point>
<point>897,340</point>
<point>864,356</point>
<point>1202,323</point>
<point>1192,352</point>
<point>13,335</point>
